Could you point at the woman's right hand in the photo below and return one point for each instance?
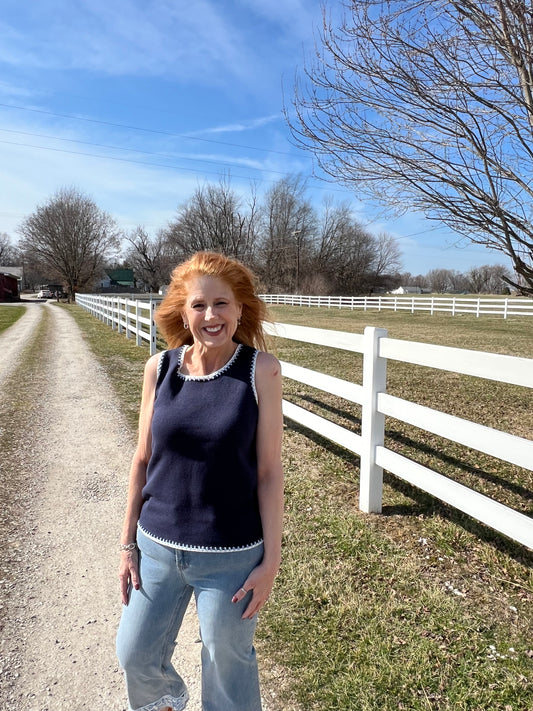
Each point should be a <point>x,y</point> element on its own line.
<point>128,573</point>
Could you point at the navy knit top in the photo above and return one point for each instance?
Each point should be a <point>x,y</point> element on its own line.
<point>201,482</point>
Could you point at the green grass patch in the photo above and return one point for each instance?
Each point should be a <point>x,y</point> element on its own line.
<point>421,607</point>
<point>10,314</point>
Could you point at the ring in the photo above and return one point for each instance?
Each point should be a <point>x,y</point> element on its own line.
<point>244,591</point>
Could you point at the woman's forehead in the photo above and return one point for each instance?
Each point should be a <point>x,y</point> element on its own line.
<point>204,285</point>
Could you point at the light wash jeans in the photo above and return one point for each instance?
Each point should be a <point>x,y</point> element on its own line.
<point>150,624</point>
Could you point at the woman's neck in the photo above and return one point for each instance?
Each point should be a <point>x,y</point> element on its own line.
<point>199,360</point>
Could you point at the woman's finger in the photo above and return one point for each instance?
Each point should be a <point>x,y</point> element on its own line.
<point>240,594</point>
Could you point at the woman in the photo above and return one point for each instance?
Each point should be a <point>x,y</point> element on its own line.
<point>205,501</point>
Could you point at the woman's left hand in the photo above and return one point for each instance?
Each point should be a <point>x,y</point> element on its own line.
<point>260,582</point>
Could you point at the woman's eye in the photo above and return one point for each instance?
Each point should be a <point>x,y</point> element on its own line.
<point>198,306</point>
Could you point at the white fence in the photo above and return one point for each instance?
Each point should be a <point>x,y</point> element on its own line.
<point>450,304</point>
<point>133,318</point>
<point>377,348</point>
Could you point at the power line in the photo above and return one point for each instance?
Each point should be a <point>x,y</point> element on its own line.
<point>145,130</point>
<point>154,164</point>
<point>138,150</point>
<point>122,160</point>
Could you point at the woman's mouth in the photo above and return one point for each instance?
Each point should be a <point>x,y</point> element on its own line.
<point>213,330</point>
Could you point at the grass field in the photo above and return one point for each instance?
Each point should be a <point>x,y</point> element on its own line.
<point>10,314</point>
<point>421,607</point>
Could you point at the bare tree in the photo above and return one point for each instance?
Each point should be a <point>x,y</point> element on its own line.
<point>335,221</point>
<point>428,105</point>
<point>350,258</point>
<point>288,223</point>
<point>488,279</point>
<point>387,259</point>
<point>439,280</point>
<point>8,253</point>
<point>214,219</point>
<point>70,237</point>
<point>149,258</point>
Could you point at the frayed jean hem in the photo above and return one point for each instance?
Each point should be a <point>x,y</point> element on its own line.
<point>176,703</point>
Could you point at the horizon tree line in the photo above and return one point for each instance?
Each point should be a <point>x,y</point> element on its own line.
<point>292,245</point>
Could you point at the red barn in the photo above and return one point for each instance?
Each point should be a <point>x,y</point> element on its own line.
<point>9,289</point>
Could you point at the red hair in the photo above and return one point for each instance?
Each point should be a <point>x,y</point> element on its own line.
<point>238,277</point>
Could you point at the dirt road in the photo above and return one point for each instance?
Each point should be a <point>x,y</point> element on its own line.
<point>65,458</point>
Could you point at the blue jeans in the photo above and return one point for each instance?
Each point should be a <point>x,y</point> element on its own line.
<point>150,624</point>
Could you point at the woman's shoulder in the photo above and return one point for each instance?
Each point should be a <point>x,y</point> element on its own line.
<point>267,365</point>
<point>157,363</point>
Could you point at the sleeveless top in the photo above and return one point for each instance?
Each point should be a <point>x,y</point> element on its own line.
<point>201,480</point>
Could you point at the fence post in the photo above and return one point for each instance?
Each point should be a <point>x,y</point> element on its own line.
<point>153,341</point>
<point>127,315</point>
<point>119,324</point>
<point>138,326</point>
<point>372,422</point>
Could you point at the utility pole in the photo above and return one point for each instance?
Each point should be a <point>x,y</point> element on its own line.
<point>295,234</point>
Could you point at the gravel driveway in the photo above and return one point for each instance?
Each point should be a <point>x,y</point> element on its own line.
<point>65,452</point>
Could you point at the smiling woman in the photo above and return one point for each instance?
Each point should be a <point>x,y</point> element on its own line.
<point>238,283</point>
<point>205,503</point>
<point>212,315</point>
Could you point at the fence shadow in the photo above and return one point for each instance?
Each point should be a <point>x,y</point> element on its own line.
<point>406,441</point>
<point>423,503</point>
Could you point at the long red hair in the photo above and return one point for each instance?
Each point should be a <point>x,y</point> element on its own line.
<point>242,282</point>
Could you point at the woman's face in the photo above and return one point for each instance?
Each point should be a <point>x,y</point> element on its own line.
<point>211,311</point>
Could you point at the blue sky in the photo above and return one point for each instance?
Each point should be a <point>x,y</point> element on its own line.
<point>138,102</point>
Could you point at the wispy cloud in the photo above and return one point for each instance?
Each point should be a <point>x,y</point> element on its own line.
<point>293,17</point>
<point>129,37</point>
<point>240,126</point>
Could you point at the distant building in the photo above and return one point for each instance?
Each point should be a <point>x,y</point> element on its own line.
<point>407,290</point>
<point>17,272</point>
<point>117,280</point>
<point>9,286</point>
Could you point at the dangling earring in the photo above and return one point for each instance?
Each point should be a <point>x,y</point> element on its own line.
<point>185,325</point>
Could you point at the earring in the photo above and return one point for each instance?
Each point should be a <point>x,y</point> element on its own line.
<point>185,325</point>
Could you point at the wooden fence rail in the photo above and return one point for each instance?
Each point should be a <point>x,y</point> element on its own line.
<point>132,317</point>
<point>377,348</point>
<point>454,305</point>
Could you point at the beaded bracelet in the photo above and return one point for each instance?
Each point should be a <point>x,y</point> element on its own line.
<point>127,546</point>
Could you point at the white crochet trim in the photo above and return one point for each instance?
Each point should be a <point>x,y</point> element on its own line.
<point>160,363</point>
<point>176,703</point>
<point>252,376</point>
<point>199,549</point>
<point>211,376</point>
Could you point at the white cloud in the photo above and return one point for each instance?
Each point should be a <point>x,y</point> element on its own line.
<point>240,126</point>
<point>295,18</point>
<point>129,37</point>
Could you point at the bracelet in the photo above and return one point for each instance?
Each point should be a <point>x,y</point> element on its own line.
<point>127,546</point>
